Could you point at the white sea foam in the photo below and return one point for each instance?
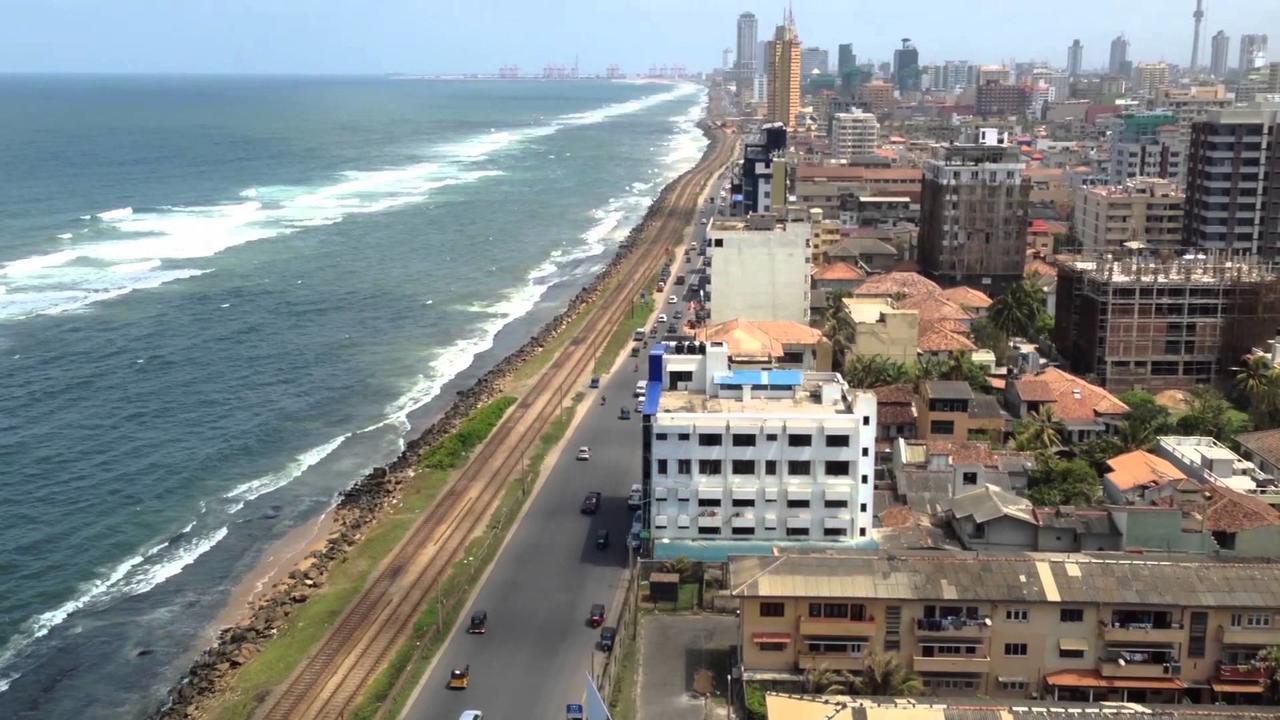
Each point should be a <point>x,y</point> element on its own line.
<point>6,680</point>
<point>66,236</point>
<point>181,556</point>
<point>261,486</point>
<point>116,214</point>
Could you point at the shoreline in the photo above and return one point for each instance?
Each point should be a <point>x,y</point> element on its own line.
<point>298,564</point>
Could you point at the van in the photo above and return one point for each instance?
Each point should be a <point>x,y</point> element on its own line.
<point>638,334</point>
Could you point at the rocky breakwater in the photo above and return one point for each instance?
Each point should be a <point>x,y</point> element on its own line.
<point>362,504</point>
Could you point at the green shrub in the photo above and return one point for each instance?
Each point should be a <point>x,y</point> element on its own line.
<point>452,452</point>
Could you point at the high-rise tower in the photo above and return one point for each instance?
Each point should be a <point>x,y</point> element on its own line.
<point>1219,52</point>
<point>746,60</point>
<point>1075,59</point>
<point>783,53</point>
<point>1253,53</point>
<point>1195,42</point>
<point>1119,56</point>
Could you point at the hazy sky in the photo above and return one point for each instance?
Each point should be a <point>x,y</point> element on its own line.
<point>377,36</point>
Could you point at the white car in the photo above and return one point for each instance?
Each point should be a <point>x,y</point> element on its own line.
<point>672,299</point>
<point>584,453</point>
<point>704,221</point>
<point>640,387</point>
<point>471,715</point>
<point>662,317</point>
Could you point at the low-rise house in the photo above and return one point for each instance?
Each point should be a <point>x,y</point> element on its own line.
<point>881,329</point>
<point>1262,448</point>
<point>838,276</point>
<point>1082,627</point>
<point>950,410</point>
<point>1209,462</point>
<point>896,285</point>
<point>895,412</point>
<point>871,253</point>
<point>1086,410</point>
<point>974,302</point>
<point>1136,478</point>
<point>990,518</point>
<point>937,311</point>
<point>939,343</point>
<point>781,344</point>
<point>926,473</point>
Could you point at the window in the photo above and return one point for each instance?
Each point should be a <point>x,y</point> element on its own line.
<point>684,467</point>
<point>710,467</point>
<point>836,611</point>
<point>797,503</point>
<point>1065,653</point>
<point>866,452</point>
<point>702,530</point>
<point>1071,615</point>
<point>798,467</point>
<point>834,532</point>
<point>1013,685</point>
<point>682,436</point>
<point>743,530</point>
<point>969,478</point>
<point>797,532</point>
<point>837,441</point>
<point>710,439</point>
<point>771,646</point>
<point>1015,649</point>
<point>770,467</point>
<point>834,502</point>
<point>1016,614</point>
<point>662,466</point>
<point>836,467</point>
<point>866,420</point>
<point>660,436</point>
<point>942,427</point>
<point>862,532</point>
<point>773,609</point>
<point>744,440</point>
<point>862,507</point>
<point>865,479</point>
<point>1252,620</point>
<point>771,437</point>
<point>708,502</point>
<point>743,467</point>
<point>799,440</point>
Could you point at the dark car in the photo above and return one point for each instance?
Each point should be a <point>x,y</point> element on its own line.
<point>479,623</point>
<point>602,539</point>
<point>607,636</point>
<point>596,616</point>
<point>624,414</point>
<point>591,503</point>
<point>595,383</point>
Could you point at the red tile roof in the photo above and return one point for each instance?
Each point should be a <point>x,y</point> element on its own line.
<point>939,339</point>
<point>967,297</point>
<point>894,394</point>
<point>1141,469</point>
<point>962,451</point>
<point>1231,511</point>
<point>894,283</point>
<point>838,270</point>
<point>1075,400</point>
<point>1034,390</point>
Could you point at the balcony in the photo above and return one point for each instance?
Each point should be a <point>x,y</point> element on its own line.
<point>950,664</point>
<point>961,628</point>
<point>831,661</point>
<point>1142,633</point>
<point>1241,672</point>
<point>709,518</point>
<point>1250,635</point>
<point>1113,669</point>
<point>837,627</point>
<point>743,520</point>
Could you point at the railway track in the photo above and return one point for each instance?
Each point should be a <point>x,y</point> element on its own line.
<point>329,682</point>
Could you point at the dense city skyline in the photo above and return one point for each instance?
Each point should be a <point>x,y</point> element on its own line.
<point>292,37</point>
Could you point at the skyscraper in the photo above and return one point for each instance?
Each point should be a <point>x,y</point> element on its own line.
<point>847,68</point>
<point>783,52</point>
<point>955,74</point>
<point>746,57</point>
<point>1219,52</point>
<point>1075,59</point>
<point>1253,52</point>
<point>1119,56</point>
<point>814,58</point>
<point>906,67</point>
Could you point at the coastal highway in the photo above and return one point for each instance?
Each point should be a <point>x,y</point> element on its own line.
<point>539,647</point>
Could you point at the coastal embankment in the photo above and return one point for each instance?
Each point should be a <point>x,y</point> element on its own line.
<point>359,508</point>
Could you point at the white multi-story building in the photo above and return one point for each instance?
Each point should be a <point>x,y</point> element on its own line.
<point>755,454</point>
<point>854,133</point>
<point>759,269</point>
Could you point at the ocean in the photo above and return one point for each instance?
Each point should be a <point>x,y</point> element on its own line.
<point>222,299</point>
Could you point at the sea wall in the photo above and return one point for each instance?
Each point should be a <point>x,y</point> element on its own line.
<point>361,505</point>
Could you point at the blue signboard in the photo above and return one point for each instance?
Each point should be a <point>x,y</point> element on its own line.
<point>573,711</point>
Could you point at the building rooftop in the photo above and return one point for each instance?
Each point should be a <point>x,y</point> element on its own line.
<point>1212,460</point>
<point>967,297</point>
<point>897,283</point>
<point>758,340</point>
<point>838,173</point>
<point>857,244</point>
<point>870,312</point>
<point>1108,578</point>
<point>1188,270</point>
<point>805,401</point>
<point>1074,400</point>
<point>1141,469</point>
<point>782,706</point>
<point>990,502</point>
<point>838,270</point>
<point>936,339</point>
<point>1231,512</point>
<point>1263,443</point>
<point>948,390</point>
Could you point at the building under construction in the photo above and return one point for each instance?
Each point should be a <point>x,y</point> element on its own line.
<point>1150,323</point>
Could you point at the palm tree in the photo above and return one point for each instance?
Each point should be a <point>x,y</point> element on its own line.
<point>825,681</point>
<point>1260,382</point>
<point>839,330</point>
<point>885,676</point>
<point>873,371</point>
<point>1017,311</point>
<point>927,369</point>
<point>1040,431</point>
<point>1135,436</point>
<point>960,366</point>
<point>681,566</point>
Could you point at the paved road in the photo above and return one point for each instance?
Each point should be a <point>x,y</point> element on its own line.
<point>674,648</point>
<point>539,648</point>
